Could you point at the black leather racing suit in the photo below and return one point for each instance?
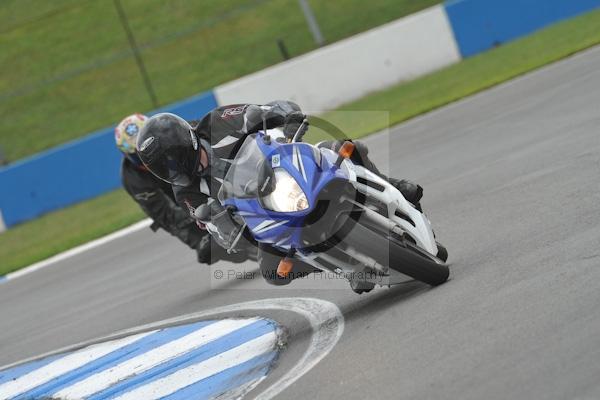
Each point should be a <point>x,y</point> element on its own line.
<point>156,199</point>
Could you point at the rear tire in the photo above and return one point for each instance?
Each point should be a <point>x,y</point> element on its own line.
<point>399,255</point>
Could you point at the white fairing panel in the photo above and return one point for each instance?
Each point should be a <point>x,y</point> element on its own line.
<point>422,232</point>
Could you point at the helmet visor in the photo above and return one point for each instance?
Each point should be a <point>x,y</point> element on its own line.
<point>173,172</point>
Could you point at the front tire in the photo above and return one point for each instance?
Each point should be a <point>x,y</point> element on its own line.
<point>397,254</point>
<point>442,252</point>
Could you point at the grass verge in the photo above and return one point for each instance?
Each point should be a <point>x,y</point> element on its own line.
<point>477,73</point>
<point>66,68</point>
<point>64,229</point>
<point>61,230</point>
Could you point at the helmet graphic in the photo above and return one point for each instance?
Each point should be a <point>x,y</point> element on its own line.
<point>127,130</point>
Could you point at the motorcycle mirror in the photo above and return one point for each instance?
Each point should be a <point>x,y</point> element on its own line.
<point>254,113</point>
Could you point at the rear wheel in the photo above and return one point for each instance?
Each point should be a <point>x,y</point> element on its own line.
<point>398,254</point>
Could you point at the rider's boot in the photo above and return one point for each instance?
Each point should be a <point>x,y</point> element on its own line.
<point>410,190</point>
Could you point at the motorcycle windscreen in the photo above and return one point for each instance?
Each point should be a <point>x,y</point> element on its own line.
<point>250,174</point>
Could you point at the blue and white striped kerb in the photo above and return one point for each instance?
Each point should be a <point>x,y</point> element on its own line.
<point>203,360</point>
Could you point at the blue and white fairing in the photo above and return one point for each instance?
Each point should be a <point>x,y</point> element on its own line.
<point>293,196</point>
<point>300,172</point>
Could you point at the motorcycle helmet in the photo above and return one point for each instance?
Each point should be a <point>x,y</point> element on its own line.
<point>127,130</point>
<point>169,148</point>
<point>126,134</point>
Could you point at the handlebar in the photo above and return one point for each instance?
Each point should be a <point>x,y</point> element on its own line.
<point>300,132</point>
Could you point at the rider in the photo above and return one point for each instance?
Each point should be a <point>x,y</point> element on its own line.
<point>196,159</point>
<point>154,196</point>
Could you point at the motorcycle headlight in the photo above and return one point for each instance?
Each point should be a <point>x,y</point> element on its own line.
<point>288,196</point>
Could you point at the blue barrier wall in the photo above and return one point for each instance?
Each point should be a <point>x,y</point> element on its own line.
<point>482,24</point>
<point>89,167</point>
<point>73,172</point>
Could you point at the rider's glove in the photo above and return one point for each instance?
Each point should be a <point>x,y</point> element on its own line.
<point>225,228</point>
<point>293,122</point>
<point>208,252</point>
<point>204,251</point>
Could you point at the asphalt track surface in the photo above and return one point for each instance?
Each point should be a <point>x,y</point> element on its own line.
<point>511,181</point>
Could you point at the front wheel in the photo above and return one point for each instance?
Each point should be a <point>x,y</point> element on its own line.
<point>442,252</point>
<point>397,254</point>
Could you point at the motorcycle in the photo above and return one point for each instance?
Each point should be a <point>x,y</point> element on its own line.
<point>316,205</point>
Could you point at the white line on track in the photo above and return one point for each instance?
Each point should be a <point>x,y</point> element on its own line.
<point>325,318</point>
<point>187,376</point>
<point>77,250</point>
<point>146,361</point>
<point>63,365</point>
<point>240,391</point>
